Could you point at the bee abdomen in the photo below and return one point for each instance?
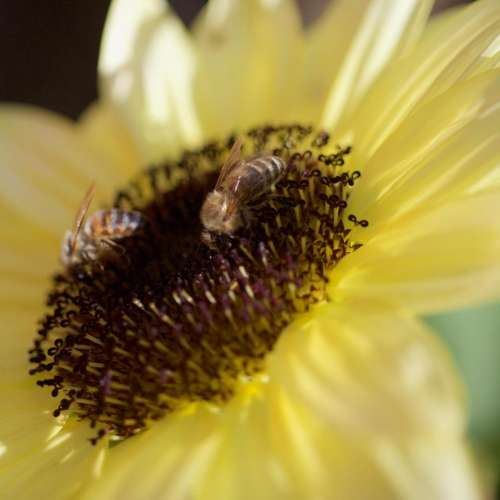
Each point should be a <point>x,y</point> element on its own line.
<point>270,167</point>
<point>113,223</point>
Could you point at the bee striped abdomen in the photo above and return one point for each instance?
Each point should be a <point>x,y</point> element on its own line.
<point>263,172</point>
<point>269,167</point>
<point>113,223</point>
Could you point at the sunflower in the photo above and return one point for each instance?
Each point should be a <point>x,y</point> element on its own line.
<point>284,360</point>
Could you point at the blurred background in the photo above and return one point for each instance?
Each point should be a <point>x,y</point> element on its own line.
<point>49,50</point>
<point>49,55</point>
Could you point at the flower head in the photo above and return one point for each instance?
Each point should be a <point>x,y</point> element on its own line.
<point>283,359</point>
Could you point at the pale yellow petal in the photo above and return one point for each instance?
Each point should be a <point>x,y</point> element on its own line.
<point>274,448</point>
<point>28,256</point>
<point>442,258</point>
<point>327,45</point>
<point>389,398</point>
<point>247,464</point>
<point>466,62</point>
<point>26,421</point>
<point>370,371</point>
<point>369,34</point>
<point>57,462</point>
<point>437,469</point>
<point>265,444</point>
<point>442,150</point>
<point>40,456</point>
<point>490,59</point>
<point>451,43</point>
<point>19,326</point>
<point>105,133</point>
<point>25,267</point>
<point>163,463</point>
<point>45,168</point>
<point>467,163</point>
<point>125,25</point>
<point>147,64</point>
<point>344,383</point>
<point>27,259</point>
<point>249,60</point>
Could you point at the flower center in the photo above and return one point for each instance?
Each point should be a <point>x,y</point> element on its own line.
<point>170,321</point>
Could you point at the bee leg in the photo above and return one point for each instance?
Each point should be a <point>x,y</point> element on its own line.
<point>259,201</point>
<point>116,248</point>
<point>246,217</point>
<point>89,253</point>
<point>112,245</point>
<point>208,238</point>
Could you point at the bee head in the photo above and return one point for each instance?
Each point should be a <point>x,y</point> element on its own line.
<point>219,213</point>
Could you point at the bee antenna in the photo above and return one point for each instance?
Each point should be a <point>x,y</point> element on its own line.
<point>80,216</point>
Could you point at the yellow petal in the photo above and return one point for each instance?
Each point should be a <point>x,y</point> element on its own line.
<point>439,469</point>
<point>105,133</point>
<point>360,37</point>
<point>163,463</point>
<point>25,266</point>
<point>247,464</point>
<point>27,258</point>
<point>147,66</point>
<point>274,448</point>
<point>249,59</point>
<point>45,168</point>
<point>451,43</point>
<point>19,318</point>
<point>370,371</point>
<point>344,384</point>
<point>125,25</point>
<point>442,258</point>
<point>55,461</point>
<point>467,163</point>
<point>442,150</point>
<point>490,59</point>
<point>19,326</point>
<point>40,456</point>
<point>30,254</point>
<point>485,63</point>
<point>266,444</point>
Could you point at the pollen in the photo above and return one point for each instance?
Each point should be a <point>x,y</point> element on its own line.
<point>172,322</point>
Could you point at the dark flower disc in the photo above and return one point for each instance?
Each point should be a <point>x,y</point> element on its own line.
<point>163,320</point>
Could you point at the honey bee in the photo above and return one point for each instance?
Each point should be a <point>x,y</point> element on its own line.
<point>97,237</point>
<point>241,183</point>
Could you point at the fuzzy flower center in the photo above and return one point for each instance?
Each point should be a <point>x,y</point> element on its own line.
<point>170,321</point>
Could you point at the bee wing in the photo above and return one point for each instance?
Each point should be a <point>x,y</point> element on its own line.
<point>231,161</point>
<point>80,215</point>
<point>232,207</point>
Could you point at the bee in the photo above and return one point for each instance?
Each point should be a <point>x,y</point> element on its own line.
<point>240,185</point>
<point>98,237</point>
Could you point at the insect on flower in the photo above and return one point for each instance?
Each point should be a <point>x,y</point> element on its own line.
<point>240,185</point>
<point>98,237</point>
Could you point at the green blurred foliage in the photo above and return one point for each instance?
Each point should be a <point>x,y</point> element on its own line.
<point>473,336</point>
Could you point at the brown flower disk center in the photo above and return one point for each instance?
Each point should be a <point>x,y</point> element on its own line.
<point>168,321</point>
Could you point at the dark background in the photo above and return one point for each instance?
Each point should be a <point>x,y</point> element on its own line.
<point>49,48</point>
